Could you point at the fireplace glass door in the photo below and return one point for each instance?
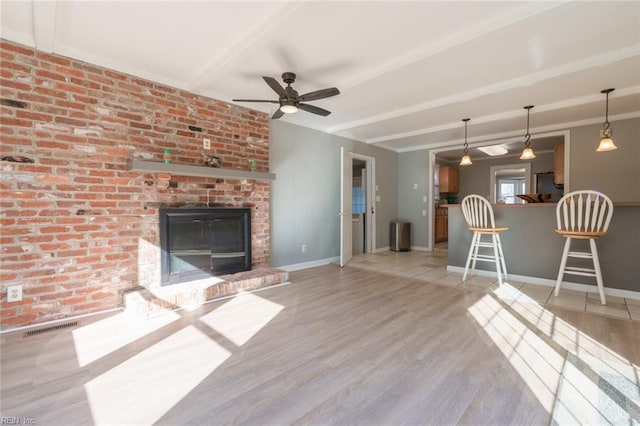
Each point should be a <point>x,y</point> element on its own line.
<point>197,243</point>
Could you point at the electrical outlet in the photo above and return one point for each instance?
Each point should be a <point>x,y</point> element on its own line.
<point>14,293</point>
<point>303,248</point>
<point>206,143</point>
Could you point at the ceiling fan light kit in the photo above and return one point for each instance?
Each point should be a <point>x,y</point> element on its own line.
<point>289,108</point>
<point>289,99</point>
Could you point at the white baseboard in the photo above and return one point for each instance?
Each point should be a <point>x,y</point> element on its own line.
<point>420,248</point>
<point>616,292</point>
<point>382,249</point>
<point>307,265</point>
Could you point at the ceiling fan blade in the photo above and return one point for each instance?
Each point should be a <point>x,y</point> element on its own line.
<point>318,94</point>
<point>314,109</point>
<point>273,83</point>
<point>254,100</point>
<point>277,114</point>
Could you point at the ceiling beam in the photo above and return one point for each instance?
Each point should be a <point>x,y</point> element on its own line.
<point>596,97</point>
<point>459,38</point>
<point>510,136</point>
<point>44,24</point>
<point>251,38</point>
<point>523,81</point>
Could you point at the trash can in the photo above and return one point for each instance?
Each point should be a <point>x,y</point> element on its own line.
<point>400,233</point>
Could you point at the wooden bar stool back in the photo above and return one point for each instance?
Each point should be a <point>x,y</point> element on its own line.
<point>478,213</point>
<point>583,215</point>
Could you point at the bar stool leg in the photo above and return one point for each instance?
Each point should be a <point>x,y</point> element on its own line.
<point>504,266</point>
<point>471,249</point>
<point>497,258</point>
<point>596,267</point>
<point>563,264</point>
<point>476,248</point>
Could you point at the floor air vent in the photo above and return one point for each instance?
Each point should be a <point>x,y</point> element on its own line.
<point>50,329</point>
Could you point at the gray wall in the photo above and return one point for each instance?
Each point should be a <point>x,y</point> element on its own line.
<point>413,169</point>
<point>532,249</point>
<point>305,197</point>
<point>616,173</point>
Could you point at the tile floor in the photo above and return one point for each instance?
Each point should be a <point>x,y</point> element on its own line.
<point>432,267</point>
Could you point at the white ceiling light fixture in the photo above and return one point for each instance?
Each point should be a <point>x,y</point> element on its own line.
<point>289,107</point>
<point>527,152</point>
<point>494,150</point>
<point>606,142</point>
<point>466,160</point>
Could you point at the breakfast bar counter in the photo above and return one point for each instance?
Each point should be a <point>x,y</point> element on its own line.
<point>533,249</point>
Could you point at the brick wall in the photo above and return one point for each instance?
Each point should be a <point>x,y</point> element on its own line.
<point>77,227</point>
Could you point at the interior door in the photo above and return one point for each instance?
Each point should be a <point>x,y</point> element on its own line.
<point>346,185</point>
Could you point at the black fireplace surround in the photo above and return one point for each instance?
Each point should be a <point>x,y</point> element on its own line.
<point>203,242</point>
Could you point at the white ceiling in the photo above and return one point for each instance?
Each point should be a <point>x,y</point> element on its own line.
<point>408,72</point>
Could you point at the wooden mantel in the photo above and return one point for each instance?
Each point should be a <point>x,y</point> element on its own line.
<point>141,166</point>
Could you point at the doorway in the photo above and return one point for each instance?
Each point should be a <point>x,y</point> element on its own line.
<point>357,205</point>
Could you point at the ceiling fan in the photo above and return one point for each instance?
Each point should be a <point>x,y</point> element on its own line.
<point>289,99</point>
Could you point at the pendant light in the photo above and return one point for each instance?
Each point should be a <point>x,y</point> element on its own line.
<point>527,152</point>
<point>606,143</point>
<point>466,160</point>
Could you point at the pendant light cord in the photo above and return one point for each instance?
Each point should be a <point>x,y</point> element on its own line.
<point>527,137</point>
<point>466,145</point>
<point>606,125</point>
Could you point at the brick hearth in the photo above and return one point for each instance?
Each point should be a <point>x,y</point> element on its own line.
<point>149,302</point>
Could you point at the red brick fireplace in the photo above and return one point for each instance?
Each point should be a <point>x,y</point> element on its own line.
<point>79,228</point>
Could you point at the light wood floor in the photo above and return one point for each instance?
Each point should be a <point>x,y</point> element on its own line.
<point>337,346</point>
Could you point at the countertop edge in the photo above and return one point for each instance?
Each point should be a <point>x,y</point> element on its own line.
<point>615,204</point>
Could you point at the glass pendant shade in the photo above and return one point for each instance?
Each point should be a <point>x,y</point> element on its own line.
<point>527,154</point>
<point>466,160</point>
<point>606,142</point>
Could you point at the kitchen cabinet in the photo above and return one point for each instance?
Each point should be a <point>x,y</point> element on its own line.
<point>449,180</point>
<point>441,232</point>
<point>558,164</point>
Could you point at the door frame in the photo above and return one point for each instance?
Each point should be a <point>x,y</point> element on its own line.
<point>346,179</point>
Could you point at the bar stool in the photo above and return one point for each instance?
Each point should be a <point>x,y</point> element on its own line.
<point>583,215</point>
<point>478,213</point>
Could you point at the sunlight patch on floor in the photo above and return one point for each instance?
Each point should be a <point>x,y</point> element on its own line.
<point>589,384</point>
<point>597,357</point>
<point>538,365</point>
<point>93,341</point>
<point>242,317</point>
<point>129,393</point>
